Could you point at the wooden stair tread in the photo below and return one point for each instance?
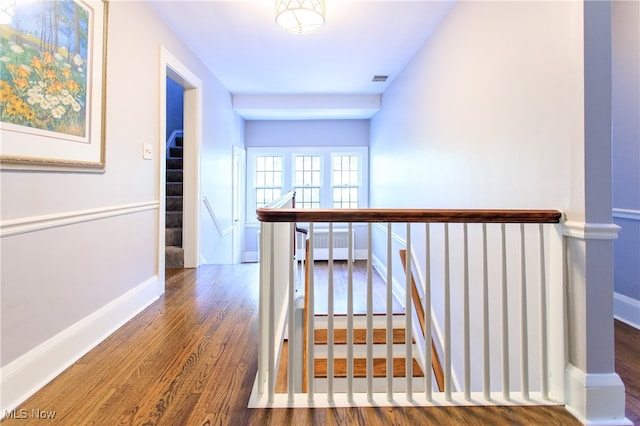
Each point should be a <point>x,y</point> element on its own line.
<point>359,336</point>
<point>360,368</point>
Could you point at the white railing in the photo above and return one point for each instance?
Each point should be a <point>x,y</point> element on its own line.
<point>492,281</point>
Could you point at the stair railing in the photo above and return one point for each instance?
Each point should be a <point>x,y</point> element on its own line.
<point>513,280</point>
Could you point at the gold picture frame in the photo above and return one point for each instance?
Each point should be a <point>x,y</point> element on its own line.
<point>53,86</point>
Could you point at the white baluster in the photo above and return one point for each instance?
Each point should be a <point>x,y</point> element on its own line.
<point>369,316</point>
<point>505,319</point>
<point>544,377</point>
<point>291,342</point>
<point>465,302</point>
<point>408,332</point>
<point>272,321</point>
<point>330,319</point>
<point>486,385</point>
<point>524,334</point>
<point>264,287</point>
<point>428,382</point>
<point>389,315</point>
<point>310,321</point>
<point>350,314</point>
<point>447,317</point>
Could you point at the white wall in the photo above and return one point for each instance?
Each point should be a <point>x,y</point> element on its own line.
<point>626,158</point>
<point>66,287</point>
<point>485,114</point>
<point>307,133</point>
<point>488,114</point>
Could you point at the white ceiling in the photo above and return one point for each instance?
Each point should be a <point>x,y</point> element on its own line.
<point>279,75</point>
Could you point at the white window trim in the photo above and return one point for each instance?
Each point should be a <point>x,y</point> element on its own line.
<point>288,154</point>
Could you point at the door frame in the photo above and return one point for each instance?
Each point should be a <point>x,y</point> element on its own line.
<point>238,203</point>
<point>170,66</point>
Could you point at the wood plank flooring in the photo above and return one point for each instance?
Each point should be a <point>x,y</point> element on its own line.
<point>359,271</point>
<point>191,359</point>
<point>628,367</point>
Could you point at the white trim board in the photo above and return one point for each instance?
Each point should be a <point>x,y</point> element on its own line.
<point>626,214</point>
<point>626,309</point>
<point>590,231</point>
<point>595,399</point>
<point>27,374</point>
<point>38,223</point>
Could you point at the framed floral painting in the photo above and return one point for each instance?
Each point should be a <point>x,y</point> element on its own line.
<point>52,85</point>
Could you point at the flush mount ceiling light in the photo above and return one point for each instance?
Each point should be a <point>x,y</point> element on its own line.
<point>300,16</point>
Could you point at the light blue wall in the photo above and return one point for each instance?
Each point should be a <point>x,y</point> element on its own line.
<point>307,133</point>
<point>175,107</point>
<point>626,146</point>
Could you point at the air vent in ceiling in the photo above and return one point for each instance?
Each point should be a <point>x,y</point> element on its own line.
<point>380,78</point>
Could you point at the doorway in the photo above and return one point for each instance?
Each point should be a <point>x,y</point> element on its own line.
<point>192,119</point>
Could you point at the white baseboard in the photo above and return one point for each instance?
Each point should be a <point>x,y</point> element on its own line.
<point>626,309</point>
<point>251,257</point>
<point>24,376</point>
<point>595,399</point>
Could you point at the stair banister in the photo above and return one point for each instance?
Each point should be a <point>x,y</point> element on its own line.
<point>272,215</point>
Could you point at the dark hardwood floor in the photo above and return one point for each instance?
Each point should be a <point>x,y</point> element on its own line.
<point>191,359</point>
<point>628,367</point>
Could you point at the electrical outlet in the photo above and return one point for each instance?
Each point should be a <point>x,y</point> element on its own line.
<point>147,153</point>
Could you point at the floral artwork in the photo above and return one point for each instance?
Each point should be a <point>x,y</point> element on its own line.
<point>52,84</point>
<point>42,63</point>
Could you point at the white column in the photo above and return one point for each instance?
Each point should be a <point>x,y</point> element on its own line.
<point>594,392</point>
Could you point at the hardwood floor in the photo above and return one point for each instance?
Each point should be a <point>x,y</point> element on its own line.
<point>359,288</point>
<point>191,359</point>
<point>628,367</point>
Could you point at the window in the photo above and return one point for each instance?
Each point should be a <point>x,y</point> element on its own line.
<point>268,179</point>
<point>307,181</point>
<point>346,181</point>
<point>323,177</point>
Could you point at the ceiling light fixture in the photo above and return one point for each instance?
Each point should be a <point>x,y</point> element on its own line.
<point>300,16</point>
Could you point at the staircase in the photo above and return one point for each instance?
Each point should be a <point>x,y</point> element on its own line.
<point>174,253</point>
<point>340,374</point>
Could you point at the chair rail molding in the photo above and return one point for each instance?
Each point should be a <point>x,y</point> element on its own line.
<point>590,231</point>
<point>38,223</point>
<point>626,214</point>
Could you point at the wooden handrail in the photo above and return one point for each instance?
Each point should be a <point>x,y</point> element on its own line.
<point>436,365</point>
<point>267,214</point>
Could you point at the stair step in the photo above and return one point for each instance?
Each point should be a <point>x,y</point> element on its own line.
<point>174,163</point>
<point>173,237</point>
<point>173,220</point>
<point>174,188</point>
<point>176,152</point>
<point>360,367</point>
<point>174,176</point>
<point>174,257</point>
<point>179,140</point>
<point>359,336</point>
<point>174,203</point>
